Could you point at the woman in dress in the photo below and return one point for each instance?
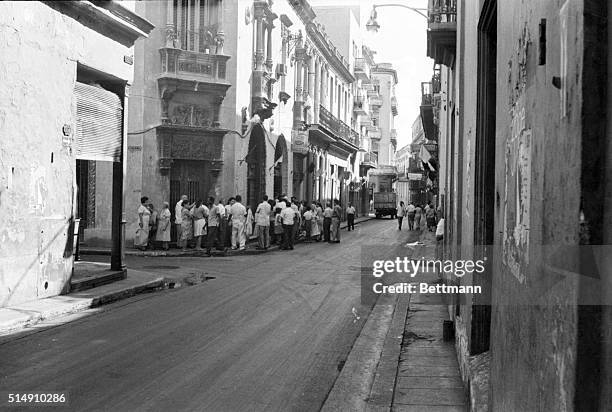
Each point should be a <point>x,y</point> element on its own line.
<point>186,225</point>
<point>200,213</point>
<point>144,215</point>
<point>152,224</point>
<point>163,226</point>
<point>248,224</point>
<point>315,231</point>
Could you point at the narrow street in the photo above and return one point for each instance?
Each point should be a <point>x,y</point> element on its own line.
<point>269,332</point>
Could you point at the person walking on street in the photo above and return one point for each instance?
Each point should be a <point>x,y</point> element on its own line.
<point>213,225</point>
<point>350,217</point>
<point>335,223</point>
<point>287,217</point>
<point>163,225</point>
<point>178,220</point>
<point>238,213</point>
<point>262,221</point>
<point>327,220</point>
<point>410,211</point>
<point>418,214</point>
<point>430,215</point>
<point>401,212</point>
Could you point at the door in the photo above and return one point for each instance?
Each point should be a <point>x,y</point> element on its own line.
<point>191,178</point>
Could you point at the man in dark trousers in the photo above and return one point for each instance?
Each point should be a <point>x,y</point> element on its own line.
<point>288,218</point>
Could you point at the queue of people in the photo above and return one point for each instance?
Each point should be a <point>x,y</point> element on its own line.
<point>211,224</point>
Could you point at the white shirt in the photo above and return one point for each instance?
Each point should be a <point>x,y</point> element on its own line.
<point>281,205</point>
<point>287,216</point>
<point>178,209</point>
<point>350,210</point>
<point>238,212</point>
<point>410,208</point>
<point>221,210</point>
<point>262,215</point>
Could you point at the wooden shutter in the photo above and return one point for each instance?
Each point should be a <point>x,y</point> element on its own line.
<point>99,124</point>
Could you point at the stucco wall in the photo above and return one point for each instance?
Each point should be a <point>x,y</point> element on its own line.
<point>40,49</point>
<point>533,339</point>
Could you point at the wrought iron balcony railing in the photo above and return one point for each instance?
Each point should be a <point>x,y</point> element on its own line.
<point>442,11</point>
<point>337,126</point>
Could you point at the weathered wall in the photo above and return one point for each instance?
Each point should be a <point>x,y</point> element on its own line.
<point>533,339</point>
<point>40,49</point>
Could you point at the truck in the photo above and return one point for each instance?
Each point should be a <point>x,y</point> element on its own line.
<point>384,197</point>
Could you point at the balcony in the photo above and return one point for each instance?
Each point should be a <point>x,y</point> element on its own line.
<point>360,106</point>
<point>427,113</point>
<point>376,102</point>
<point>394,105</point>
<point>362,69</point>
<point>333,130</point>
<point>442,31</point>
<point>190,62</point>
<point>370,160</point>
<point>375,134</point>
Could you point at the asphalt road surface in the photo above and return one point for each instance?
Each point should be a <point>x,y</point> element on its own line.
<point>269,333</point>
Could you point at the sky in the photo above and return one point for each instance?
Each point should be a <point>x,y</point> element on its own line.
<point>401,41</point>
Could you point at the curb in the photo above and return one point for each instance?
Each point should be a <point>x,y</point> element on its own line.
<point>15,318</point>
<point>193,253</point>
<point>367,380</point>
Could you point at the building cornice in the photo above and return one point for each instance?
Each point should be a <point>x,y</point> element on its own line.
<point>307,15</point>
<point>107,18</point>
<point>385,68</point>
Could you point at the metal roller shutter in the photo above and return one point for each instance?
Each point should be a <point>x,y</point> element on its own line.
<point>99,124</point>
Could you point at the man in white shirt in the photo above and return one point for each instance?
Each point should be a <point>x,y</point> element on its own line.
<point>350,217</point>
<point>238,212</point>
<point>262,221</point>
<point>288,218</point>
<point>410,212</point>
<point>178,220</point>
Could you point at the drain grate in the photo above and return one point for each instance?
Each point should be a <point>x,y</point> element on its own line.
<point>161,267</point>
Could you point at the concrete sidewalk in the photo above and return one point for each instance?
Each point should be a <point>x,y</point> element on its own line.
<point>400,361</point>
<point>192,252</point>
<point>18,317</point>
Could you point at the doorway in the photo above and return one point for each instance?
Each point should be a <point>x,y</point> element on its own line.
<point>256,166</point>
<point>484,190</point>
<point>191,178</point>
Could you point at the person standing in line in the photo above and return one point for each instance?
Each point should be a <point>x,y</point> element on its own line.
<point>335,223</point>
<point>228,216</point>
<point>186,225</point>
<point>238,212</point>
<point>144,215</point>
<point>350,217</point>
<point>315,231</point>
<point>213,225</point>
<point>152,224</point>
<point>410,211</point>
<point>418,214</point>
<point>308,219</point>
<point>262,221</point>
<point>221,233</point>
<point>178,212</point>
<point>287,217</point>
<point>200,213</point>
<point>401,212</point>
<point>327,220</point>
<point>319,210</point>
<point>248,223</point>
<point>163,226</point>
<point>297,220</point>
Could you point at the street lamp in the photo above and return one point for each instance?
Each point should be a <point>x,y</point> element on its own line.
<point>373,26</point>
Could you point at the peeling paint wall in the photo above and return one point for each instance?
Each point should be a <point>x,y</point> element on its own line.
<point>40,49</point>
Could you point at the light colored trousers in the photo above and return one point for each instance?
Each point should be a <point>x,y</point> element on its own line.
<point>238,235</point>
<point>263,236</point>
<point>335,229</point>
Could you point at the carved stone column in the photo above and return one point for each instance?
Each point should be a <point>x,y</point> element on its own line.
<point>220,39</point>
<point>269,28</point>
<point>259,42</point>
<point>170,27</point>
<point>317,91</point>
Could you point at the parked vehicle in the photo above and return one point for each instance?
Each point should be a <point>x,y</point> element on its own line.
<point>385,199</point>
